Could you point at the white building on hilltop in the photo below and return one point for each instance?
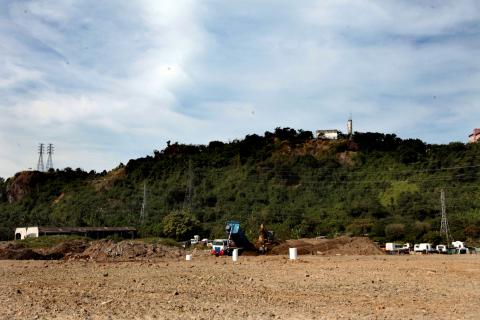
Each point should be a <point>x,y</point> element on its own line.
<point>331,134</point>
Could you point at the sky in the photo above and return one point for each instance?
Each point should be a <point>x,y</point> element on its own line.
<point>108,81</point>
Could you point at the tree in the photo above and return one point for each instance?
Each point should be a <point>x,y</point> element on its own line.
<point>180,225</point>
<point>395,231</point>
<point>3,196</point>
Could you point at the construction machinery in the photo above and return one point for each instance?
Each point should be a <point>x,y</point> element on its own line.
<point>236,237</point>
<point>265,239</point>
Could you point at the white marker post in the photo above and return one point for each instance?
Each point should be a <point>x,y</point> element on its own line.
<point>188,257</point>
<point>293,253</point>
<point>235,255</point>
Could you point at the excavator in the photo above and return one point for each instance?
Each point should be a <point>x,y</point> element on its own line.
<point>265,240</point>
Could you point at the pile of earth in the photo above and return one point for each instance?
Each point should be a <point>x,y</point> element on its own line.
<point>18,251</point>
<point>108,250</point>
<point>338,246</point>
<point>102,250</point>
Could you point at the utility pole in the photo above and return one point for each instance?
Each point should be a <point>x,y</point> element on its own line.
<point>41,151</point>
<point>50,149</point>
<point>444,229</point>
<point>144,203</point>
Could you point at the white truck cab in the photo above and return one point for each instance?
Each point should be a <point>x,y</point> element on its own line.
<point>220,247</point>
<point>460,247</point>
<point>422,247</point>
<point>441,248</point>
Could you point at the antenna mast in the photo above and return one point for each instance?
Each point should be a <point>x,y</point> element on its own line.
<point>444,229</point>
<point>50,149</point>
<point>41,151</point>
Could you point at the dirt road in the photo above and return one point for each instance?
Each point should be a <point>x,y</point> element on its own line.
<point>270,287</point>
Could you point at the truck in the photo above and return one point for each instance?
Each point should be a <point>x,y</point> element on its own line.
<point>220,247</point>
<point>235,239</point>
<point>195,240</point>
<point>396,248</point>
<point>422,248</point>
<point>460,247</point>
<point>441,248</point>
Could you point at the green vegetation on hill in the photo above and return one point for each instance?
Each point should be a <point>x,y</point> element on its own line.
<point>375,184</point>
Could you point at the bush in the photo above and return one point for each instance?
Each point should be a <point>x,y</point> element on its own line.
<point>180,225</point>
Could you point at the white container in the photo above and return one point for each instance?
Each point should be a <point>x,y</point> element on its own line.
<point>235,255</point>
<point>293,253</point>
<point>188,257</point>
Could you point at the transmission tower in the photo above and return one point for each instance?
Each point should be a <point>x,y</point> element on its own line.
<point>444,229</point>
<point>187,203</point>
<point>50,149</point>
<point>41,151</point>
<point>144,203</point>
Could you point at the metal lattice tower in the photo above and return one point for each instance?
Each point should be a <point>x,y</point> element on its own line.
<point>50,149</point>
<point>444,229</point>
<point>187,203</point>
<point>41,151</point>
<point>144,203</point>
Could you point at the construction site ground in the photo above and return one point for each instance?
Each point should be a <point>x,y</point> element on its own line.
<point>256,287</point>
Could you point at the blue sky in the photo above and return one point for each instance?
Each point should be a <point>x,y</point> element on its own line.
<point>107,81</point>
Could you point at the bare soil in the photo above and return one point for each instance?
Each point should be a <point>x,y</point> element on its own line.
<point>256,287</point>
<point>340,245</point>
<point>133,250</point>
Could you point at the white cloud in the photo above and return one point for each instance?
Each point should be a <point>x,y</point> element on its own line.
<point>107,81</point>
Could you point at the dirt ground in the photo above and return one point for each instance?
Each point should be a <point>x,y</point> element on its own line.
<point>263,287</point>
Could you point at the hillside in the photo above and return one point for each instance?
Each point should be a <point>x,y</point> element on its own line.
<point>375,184</point>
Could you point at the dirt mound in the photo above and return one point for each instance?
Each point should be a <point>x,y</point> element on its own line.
<point>14,251</point>
<point>18,251</point>
<point>64,249</point>
<point>102,250</point>
<point>107,250</point>
<point>341,245</point>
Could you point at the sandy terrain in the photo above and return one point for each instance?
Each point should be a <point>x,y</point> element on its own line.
<point>268,287</point>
